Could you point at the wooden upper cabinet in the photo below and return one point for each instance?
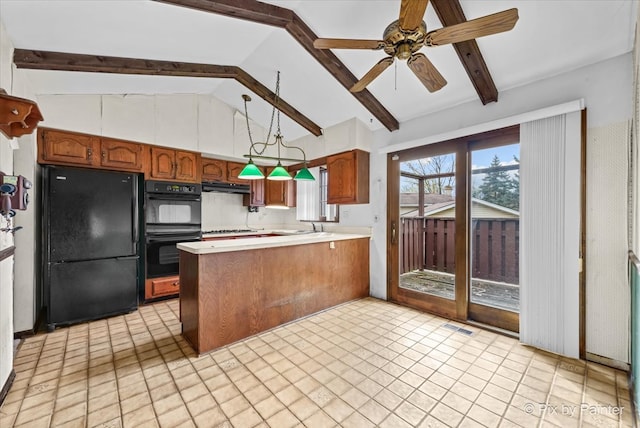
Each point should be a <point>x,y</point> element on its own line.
<point>178,165</point>
<point>348,178</point>
<point>214,169</point>
<point>233,170</point>
<point>122,155</point>
<point>162,163</point>
<point>188,166</point>
<point>68,148</point>
<point>256,196</point>
<point>279,193</point>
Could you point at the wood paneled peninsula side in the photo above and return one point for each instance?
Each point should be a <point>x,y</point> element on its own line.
<point>232,289</point>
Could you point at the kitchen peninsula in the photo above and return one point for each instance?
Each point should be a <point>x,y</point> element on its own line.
<point>232,289</point>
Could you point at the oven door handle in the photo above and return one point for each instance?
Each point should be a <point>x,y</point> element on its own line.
<point>187,198</point>
<point>169,238</point>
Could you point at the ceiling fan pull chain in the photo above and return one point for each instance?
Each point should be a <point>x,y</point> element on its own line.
<point>395,75</point>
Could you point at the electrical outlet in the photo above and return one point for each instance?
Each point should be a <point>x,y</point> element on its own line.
<point>332,245</point>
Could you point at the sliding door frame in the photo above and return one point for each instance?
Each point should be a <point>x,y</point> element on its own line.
<point>459,309</point>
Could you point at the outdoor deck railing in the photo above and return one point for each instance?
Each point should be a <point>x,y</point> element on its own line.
<point>429,243</point>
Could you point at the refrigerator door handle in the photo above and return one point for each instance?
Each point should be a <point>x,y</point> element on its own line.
<point>128,258</point>
<point>135,214</point>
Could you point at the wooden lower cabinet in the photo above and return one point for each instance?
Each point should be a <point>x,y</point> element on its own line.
<point>161,287</point>
<point>222,301</point>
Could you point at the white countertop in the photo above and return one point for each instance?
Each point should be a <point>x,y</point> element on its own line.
<point>286,238</point>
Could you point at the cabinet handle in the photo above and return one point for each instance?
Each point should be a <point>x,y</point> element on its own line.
<point>89,153</point>
<point>175,284</point>
<point>104,154</point>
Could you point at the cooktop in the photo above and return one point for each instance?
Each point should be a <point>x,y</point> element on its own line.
<point>204,232</point>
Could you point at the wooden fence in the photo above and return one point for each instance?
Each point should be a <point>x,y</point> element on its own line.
<point>429,243</point>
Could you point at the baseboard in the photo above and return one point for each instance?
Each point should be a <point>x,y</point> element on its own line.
<point>23,334</point>
<point>608,362</point>
<point>7,386</point>
<point>36,327</point>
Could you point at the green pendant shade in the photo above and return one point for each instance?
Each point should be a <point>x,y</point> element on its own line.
<point>304,174</point>
<point>279,173</point>
<point>251,172</point>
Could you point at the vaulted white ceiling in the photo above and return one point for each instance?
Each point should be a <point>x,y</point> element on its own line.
<point>551,37</point>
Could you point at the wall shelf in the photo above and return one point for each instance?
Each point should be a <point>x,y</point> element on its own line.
<point>18,116</point>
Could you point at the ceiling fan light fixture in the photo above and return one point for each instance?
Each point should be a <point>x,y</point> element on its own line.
<point>404,51</point>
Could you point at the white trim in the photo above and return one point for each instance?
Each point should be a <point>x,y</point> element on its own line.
<point>543,113</point>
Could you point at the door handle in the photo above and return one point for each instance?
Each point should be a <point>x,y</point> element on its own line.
<point>393,232</point>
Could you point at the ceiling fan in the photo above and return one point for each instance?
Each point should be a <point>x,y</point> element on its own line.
<point>404,37</point>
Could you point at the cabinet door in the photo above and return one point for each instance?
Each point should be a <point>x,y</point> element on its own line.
<point>275,191</point>
<point>214,169</point>
<point>162,163</point>
<point>187,166</point>
<point>256,196</point>
<point>60,147</point>
<point>348,176</point>
<point>233,170</point>
<point>121,155</point>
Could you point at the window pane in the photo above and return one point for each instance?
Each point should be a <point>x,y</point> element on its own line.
<point>495,226</point>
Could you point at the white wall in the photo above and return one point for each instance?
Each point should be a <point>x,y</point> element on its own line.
<point>606,89</point>
<point>6,239</point>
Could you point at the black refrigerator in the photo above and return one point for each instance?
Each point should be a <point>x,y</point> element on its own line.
<point>90,244</point>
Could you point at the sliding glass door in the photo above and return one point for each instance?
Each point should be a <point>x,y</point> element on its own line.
<point>453,244</point>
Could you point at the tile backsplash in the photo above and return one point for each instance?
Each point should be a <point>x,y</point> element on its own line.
<point>225,211</point>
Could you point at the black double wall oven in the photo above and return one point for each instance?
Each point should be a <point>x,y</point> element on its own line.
<point>172,215</point>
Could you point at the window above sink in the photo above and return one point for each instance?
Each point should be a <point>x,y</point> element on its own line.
<point>311,203</point>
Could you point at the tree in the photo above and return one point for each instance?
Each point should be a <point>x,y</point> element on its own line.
<point>498,187</point>
<point>425,167</point>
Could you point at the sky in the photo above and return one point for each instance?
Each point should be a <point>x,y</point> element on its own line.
<point>483,158</point>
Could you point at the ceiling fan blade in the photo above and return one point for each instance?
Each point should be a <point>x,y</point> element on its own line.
<point>479,27</point>
<point>348,44</point>
<point>412,14</point>
<point>372,74</point>
<point>426,72</point>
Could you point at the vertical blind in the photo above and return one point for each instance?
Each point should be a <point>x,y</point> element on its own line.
<point>550,233</point>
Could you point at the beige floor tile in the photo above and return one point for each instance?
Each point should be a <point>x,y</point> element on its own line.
<point>319,420</point>
<point>364,364</point>
<point>106,416</point>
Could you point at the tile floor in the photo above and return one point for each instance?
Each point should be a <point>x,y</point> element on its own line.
<point>362,364</point>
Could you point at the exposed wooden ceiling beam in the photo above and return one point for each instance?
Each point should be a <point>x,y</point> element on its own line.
<point>450,13</point>
<point>263,13</point>
<point>43,60</point>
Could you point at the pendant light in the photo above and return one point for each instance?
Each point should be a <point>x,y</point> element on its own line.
<point>257,149</point>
